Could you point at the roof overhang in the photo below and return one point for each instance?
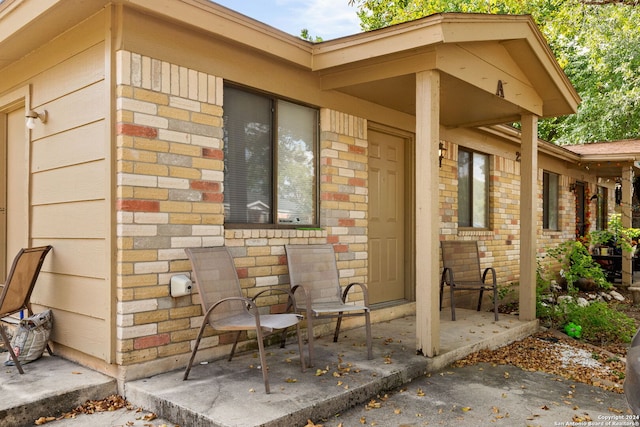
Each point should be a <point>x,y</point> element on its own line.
<point>607,159</point>
<point>493,68</point>
<point>500,62</point>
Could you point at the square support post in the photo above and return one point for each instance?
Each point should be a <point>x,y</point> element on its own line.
<point>528,216</point>
<point>626,219</point>
<point>427,212</point>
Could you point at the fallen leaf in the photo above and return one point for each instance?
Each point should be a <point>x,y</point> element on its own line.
<point>373,404</point>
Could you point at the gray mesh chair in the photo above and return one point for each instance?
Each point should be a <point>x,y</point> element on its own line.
<point>16,292</point>
<point>226,309</point>
<point>461,272</point>
<point>316,287</point>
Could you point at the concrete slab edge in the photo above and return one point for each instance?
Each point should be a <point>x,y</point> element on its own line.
<point>330,407</point>
<point>54,406</point>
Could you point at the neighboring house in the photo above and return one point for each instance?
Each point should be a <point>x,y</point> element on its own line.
<point>179,123</point>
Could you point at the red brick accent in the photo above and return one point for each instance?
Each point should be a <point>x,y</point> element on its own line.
<point>136,130</point>
<point>278,308</point>
<point>357,182</point>
<point>212,153</point>
<point>205,185</point>
<point>346,222</point>
<point>138,205</point>
<point>151,341</point>
<point>356,149</point>
<point>333,239</point>
<point>229,338</point>
<point>213,197</point>
<point>340,197</point>
<point>341,248</point>
<point>282,260</point>
<point>243,272</point>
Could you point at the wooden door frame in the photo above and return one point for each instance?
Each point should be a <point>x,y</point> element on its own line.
<point>409,201</point>
<point>9,102</point>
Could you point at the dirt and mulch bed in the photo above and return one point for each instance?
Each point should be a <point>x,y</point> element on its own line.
<point>556,353</point>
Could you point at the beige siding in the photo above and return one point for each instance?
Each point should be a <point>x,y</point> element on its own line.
<point>70,182</point>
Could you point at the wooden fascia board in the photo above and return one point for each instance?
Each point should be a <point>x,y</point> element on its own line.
<point>548,59</point>
<point>221,22</point>
<point>377,71</point>
<point>464,28</point>
<point>375,44</point>
<point>549,148</point>
<point>457,61</point>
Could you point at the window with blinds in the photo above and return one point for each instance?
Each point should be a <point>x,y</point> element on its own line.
<point>270,167</point>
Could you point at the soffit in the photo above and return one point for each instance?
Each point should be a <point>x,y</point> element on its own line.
<point>473,53</point>
<point>25,25</point>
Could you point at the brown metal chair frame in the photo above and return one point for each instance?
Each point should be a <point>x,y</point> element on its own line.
<point>229,310</point>
<point>317,285</point>
<point>16,291</point>
<point>461,271</point>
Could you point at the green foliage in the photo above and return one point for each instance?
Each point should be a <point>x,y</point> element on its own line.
<point>576,263</point>
<point>615,234</point>
<point>505,291</point>
<point>598,322</point>
<point>305,35</point>
<point>602,324</point>
<point>597,45</point>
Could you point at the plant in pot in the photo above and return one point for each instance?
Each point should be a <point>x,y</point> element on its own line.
<point>616,237</point>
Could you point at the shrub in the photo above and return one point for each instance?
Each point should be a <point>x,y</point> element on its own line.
<point>576,263</point>
<point>602,324</point>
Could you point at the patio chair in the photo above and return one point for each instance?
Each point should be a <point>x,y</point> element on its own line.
<point>461,272</point>
<point>313,275</point>
<point>16,291</point>
<point>226,309</point>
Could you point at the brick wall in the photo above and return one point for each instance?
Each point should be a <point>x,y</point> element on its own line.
<point>343,191</point>
<point>499,245</point>
<point>170,196</point>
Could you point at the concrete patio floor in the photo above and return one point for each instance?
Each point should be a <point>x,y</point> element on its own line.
<point>221,393</point>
